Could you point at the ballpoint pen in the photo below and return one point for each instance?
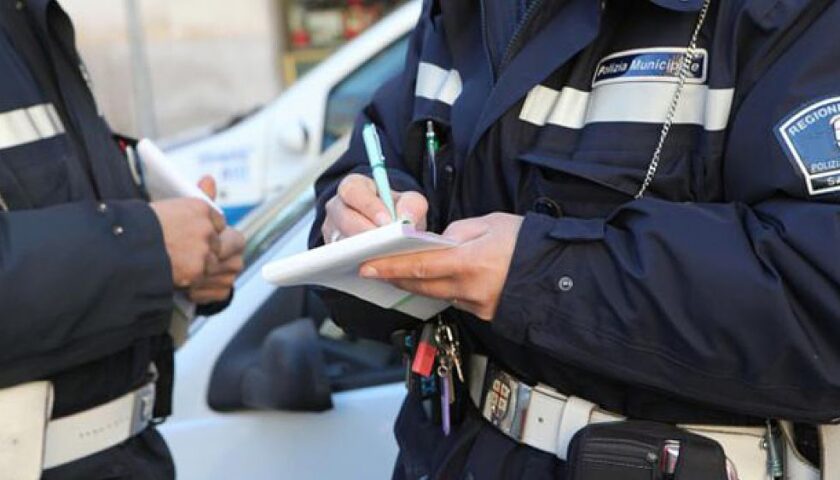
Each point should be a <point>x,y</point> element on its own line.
<point>432,148</point>
<point>377,165</point>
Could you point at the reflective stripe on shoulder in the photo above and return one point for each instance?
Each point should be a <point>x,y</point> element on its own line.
<point>29,124</point>
<point>436,83</point>
<point>633,102</point>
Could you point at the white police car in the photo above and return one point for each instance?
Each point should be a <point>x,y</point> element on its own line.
<point>270,388</point>
<point>263,153</point>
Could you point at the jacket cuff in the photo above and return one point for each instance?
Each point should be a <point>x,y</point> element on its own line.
<point>146,264</point>
<point>546,264</point>
<point>210,309</point>
<point>578,229</point>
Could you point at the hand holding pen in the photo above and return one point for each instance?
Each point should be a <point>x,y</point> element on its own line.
<point>358,207</point>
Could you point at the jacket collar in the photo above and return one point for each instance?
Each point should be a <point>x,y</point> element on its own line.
<point>568,32</point>
<point>680,5</point>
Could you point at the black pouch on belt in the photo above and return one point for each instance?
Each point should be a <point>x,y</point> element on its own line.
<point>636,450</point>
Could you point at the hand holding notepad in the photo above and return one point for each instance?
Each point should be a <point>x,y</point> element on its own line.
<point>472,275</point>
<point>336,265</point>
<point>163,181</point>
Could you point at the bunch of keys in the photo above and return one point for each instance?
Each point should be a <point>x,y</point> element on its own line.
<point>448,357</point>
<point>438,344</point>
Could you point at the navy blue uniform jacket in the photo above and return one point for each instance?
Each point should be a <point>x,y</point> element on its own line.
<point>716,296</point>
<point>82,302</point>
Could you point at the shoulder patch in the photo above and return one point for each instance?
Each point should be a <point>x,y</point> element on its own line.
<point>811,139</point>
<point>661,64</point>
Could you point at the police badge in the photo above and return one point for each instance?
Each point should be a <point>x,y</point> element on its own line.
<point>811,139</point>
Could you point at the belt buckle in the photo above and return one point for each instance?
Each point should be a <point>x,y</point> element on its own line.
<point>505,402</point>
<point>144,406</point>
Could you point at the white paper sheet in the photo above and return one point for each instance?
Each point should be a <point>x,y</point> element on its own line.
<point>336,266</point>
<point>162,180</point>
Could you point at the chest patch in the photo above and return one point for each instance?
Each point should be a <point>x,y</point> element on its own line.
<point>650,65</point>
<point>811,139</point>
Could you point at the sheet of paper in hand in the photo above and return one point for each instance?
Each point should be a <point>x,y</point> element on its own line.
<point>162,180</point>
<point>336,265</point>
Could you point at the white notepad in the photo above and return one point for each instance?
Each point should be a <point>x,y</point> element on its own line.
<point>162,180</point>
<point>336,266</point>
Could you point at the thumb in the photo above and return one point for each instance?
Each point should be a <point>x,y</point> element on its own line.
<point>207,184</point>
<point>412,206</point>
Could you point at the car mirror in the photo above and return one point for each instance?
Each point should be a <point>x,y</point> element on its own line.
<point>290,373</point>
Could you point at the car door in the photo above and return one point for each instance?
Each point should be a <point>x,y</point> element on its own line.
<point>271,388</point>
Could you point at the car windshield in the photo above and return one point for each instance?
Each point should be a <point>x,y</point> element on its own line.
<point>348,97</point>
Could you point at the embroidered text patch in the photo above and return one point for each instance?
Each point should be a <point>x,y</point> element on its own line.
<point>650,64</point>
<point>811,139</point>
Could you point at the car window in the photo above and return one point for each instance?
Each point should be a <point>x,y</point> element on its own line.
<point>347,98</point>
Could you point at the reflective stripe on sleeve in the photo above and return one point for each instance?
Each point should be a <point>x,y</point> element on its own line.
<point>632,102</point>
<point>29,124</point>
<point>435,83</point>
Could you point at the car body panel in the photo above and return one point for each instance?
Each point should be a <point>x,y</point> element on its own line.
<point>271,158</point>
<point>263,153</point>
<point>353,440</point>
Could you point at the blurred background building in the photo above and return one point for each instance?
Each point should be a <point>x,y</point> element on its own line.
<point>163,67</point>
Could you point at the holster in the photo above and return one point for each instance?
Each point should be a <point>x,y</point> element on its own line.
<point>634,450</point>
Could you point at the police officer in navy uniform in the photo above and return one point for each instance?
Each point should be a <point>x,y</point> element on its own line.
<point>645,196</point>
<point>88,267</point>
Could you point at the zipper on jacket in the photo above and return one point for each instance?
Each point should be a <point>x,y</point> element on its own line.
<point>3,205</point>
<point>516,39</point>
<point>486,42</point>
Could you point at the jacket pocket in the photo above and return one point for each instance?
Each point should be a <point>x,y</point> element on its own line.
<point>435,172</point>
<point>12,194</point>
<point>35,175</point>
<point>623,457</point>
<point>592,182</point>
